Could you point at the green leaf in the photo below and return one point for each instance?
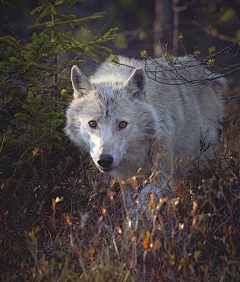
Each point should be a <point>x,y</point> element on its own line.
<point>121,42</point>
<point>228,16</point>
<point>113,59</point>
<point>212,50</point>
<point>238,35</point>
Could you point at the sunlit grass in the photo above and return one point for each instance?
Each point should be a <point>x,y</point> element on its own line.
<point>81,230</point>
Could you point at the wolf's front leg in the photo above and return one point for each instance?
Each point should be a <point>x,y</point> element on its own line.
<point>137,202</point>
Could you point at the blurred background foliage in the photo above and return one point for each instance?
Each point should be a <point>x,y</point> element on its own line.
<point>142,24</point>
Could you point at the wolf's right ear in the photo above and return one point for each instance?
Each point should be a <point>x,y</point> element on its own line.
<point>81,85</point>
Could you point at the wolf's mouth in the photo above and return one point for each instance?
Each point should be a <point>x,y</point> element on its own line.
<point>106,170</point>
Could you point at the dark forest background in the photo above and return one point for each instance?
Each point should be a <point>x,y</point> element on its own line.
<point>143,25</point>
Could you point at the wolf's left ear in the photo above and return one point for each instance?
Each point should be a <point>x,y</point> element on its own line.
<point>81,85</point>
<point>136,84</point>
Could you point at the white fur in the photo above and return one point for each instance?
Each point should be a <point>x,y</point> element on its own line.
<point>160,116</point>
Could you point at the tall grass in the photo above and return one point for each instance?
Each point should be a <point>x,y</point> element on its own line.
<point>73,225</point>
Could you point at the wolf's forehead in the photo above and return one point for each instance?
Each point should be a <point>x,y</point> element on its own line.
<point>110,96</point>
<point>110,99</point>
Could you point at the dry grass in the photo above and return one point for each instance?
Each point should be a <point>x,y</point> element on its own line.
<point>72,226</point>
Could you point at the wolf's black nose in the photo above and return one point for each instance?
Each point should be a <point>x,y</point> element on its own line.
<point>105,161</point>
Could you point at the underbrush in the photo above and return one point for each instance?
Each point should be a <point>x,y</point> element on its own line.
<point>72,225</point>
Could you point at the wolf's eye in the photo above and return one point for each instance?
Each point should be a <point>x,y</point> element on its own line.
<point>122,124</point>
<point>92,123</point>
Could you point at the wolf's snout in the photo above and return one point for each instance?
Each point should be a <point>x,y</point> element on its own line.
<point>105,161</point>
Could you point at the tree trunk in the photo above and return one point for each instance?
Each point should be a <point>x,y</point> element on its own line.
<point>176,11</point>
<point>162,26</point>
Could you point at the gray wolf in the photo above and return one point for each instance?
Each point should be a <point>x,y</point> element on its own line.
<point>123,118</point>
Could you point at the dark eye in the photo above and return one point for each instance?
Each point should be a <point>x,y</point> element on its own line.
<point>92,123</point>
<point>122,124</point>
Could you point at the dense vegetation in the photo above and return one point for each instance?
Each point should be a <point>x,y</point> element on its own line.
<point>61,220</point>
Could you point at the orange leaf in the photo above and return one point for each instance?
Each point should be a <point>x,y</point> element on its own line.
<point>155,245</point>
<point>168,208</point>
<point>145,243</point>
<point>80,253</point>
<point>68,221</point>
<point>152,198</point>
<point>103,212</point>
<point>53,204</point>
<point>111,194</point>
<point>148,234</point>
<point>7,183</point>
<point>92,252</point>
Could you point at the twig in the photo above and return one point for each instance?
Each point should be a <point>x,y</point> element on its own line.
<point>3,140</point>
<point>112,233</point>
<point>231,98</point>
<point>236,117</point>
<point>83,267</point>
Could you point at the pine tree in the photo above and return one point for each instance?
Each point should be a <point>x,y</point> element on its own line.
<point>34,90</point>
<point>67,42</point>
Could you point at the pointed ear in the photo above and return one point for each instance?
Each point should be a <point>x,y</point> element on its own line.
<point>81,85</point>
<point>136,84</point>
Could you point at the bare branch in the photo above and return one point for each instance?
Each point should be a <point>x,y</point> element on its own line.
<point>232,98</point>
<point>180,69</point>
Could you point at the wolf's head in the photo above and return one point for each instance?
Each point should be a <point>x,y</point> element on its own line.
<point>111,119</point>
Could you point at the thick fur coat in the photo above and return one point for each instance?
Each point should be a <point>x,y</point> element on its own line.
<point>123,118</point>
